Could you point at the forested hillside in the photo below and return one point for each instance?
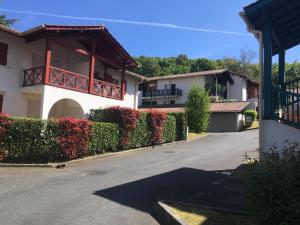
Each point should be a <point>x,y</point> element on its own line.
<point>156,66</point>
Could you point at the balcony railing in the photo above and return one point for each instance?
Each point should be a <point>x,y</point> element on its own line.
<point>163,93</point>
<point>68,80</point>
<point>290,103</point>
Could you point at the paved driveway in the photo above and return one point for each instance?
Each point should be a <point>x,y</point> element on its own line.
<point>122,189</point>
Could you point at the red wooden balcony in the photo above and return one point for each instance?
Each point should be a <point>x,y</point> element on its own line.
<point>72,81</point>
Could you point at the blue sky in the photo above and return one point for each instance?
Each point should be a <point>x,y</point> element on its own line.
<point>156,39</point>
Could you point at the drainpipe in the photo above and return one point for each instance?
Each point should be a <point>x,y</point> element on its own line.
<point>259,36</point>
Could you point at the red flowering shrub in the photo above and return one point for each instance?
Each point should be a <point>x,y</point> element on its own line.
<point>74,135</point>
<point>156,122</point>
<point>5,121</point>
<point>126,118</point>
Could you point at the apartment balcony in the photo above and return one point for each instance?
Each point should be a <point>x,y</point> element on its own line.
<point>162,93</point>
<point>72,81</point>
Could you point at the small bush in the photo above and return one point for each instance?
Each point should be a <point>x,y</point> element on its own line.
<point>180,125</point>
<point>252,114</point>
<point>156,120</point>
<point>4,126</point>
<point>74,135</point>
<point>104,138</point>
<point>273,187</point>
<point>169,129</point>
<point>198,109</point>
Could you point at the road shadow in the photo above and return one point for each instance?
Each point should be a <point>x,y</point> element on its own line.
<point>212,188</point>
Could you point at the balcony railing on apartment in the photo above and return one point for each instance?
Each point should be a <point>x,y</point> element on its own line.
<point>290,103</point>
<point>72,81</point>
<point>163,93</point>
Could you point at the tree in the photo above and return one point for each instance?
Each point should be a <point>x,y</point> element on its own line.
<point>198,109</point>
<point>6,22</point>
<point>246,58</point>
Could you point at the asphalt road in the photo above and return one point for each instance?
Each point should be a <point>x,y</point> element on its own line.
<point>121,189</point>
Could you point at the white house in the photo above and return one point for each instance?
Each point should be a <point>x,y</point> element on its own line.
<point>54,71</point>
<point>273,24</point>
<point>172,89</point>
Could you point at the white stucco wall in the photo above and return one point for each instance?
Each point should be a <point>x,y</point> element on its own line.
<point>19,58</point>
<point>273,132</point>
<point>238,91</point>
<point>184,84</point>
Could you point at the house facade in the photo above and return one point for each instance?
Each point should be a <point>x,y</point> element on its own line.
<point>55,71</point>
<point>273,24</point>
<point>172,90</point>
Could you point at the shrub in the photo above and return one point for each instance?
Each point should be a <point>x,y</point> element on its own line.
<point>252,114</point>
<point>169,129</point>
<point>156,121</point>
<point>96,115</point>
<point>140,136</point>
<point>4,126</point>
<point>74,135</point>
<point>197,109</point>
<point>126,118</point>
<point>104,137</point>
<point>273,187</point>
<point>180,125</point>
<point>30,140</point>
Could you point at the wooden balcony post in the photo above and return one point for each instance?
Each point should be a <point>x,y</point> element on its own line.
<point>92,67</point>
<point>48,54</point>
<point>123,82</point>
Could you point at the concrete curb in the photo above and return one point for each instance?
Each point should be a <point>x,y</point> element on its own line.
<point>88,158</point>
<point>165,216</point>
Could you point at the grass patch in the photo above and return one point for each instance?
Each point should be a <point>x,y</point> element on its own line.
<point>201,216</point>
<point>193,136</point>
<point>255,125</point>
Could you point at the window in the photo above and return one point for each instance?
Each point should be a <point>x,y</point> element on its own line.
<point>1,102</point>
<point>3,54</point>
<point>172,102</point>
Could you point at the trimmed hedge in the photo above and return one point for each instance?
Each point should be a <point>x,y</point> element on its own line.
<point>30,140</point>
<point>104,138</point>
<point>37,141</point>
<point>169,130</point>
<point>180,125</point>
<point>140,136</point>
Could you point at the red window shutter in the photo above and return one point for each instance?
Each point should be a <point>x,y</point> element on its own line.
<point>3,54</point>
<point>1,102</point>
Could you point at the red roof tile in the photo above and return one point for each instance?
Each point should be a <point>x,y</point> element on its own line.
<point>228,106</point>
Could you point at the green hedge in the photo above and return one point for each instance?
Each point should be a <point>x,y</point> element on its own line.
<point>180,125</point>
<point>251,113</point>
<point>140,137</point>
<point>31,140</point>
<point>169,129</point>
<point>104,138</point>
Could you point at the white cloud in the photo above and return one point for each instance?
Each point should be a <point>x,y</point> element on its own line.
<point>132,22</point>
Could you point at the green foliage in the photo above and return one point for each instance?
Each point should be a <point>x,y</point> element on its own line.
<point>180,125</point>
<point>273,185</point>
<point>169,130</point>
<point>96,115</point>
<point>30,140</point>
<point>104,138</point>
<point>6,22</point>
<point>140,137</point>
<point>197,109</point>
<point>156,66</point>
<point>252,113</point>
